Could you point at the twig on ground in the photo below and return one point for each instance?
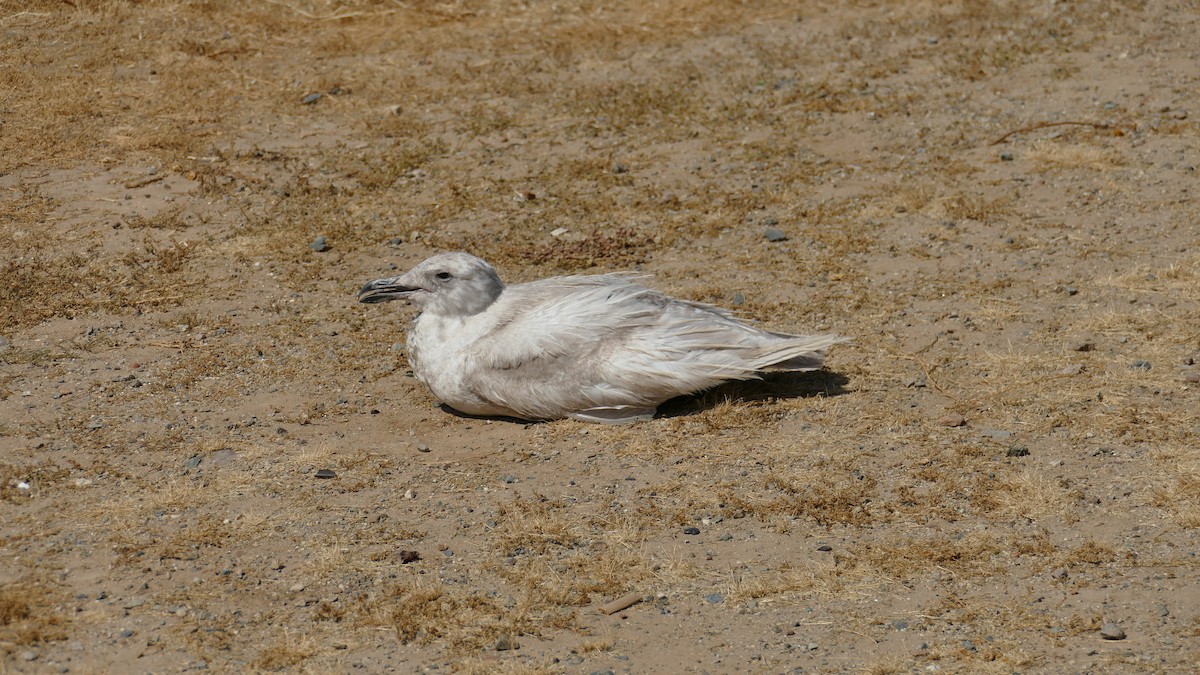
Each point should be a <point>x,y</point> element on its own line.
<point>1044,125</point>
<point>143,182</point>
<point>621,603</point>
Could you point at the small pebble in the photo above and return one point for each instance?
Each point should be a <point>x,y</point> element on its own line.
<point>1111,631</point>
<point>1018,451</point>
<point>127,633</point>
<point>421,447</point>
<point>407,557</point>
<point>29,655</point>
<point>1006,157</point>
<point>311,98</point>
<point>714,598</point>
<point>325,473</point>
<point>1192,377</point>
<point>1073,369</point>
<point>618,167</point>
<point>900,624</point>
<point>824,548</point>
<point>192,462</point>
<point>691,530</point>
<point>296,587</point>
<point>1144,365</point>
<point>725,537</point>
<point>506,643</point>
<point>1059,573</point>
<point>320,244</point>
<point>1083,346</point>
<point>774,234</point>
<point>952,420</point>
<point>223,457</point>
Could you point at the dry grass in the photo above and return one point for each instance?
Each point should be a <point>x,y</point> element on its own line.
<point>30,614</point>
<point>661,137</point>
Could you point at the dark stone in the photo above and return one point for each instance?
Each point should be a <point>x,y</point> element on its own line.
<point>691,530</point>
<point>325,474</point>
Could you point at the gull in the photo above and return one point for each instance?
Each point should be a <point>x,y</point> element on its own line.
<point>595,348</point>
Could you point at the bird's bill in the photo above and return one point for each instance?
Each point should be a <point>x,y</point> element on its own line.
<point>384,290</point>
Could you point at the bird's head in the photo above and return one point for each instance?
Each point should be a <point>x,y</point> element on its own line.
<point>448,284</point>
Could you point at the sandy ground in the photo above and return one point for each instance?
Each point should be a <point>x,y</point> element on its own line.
<point>997,201</point>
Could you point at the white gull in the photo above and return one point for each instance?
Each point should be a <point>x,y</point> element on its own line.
<point>594,348</point>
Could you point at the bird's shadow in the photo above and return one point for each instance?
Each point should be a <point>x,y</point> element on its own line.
<point>772,386</point>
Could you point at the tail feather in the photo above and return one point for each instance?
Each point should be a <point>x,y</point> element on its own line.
<point>795,353</point>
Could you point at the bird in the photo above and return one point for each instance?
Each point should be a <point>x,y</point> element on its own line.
<point>594,348</point>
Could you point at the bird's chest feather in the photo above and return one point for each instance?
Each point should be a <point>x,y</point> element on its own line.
<point>438,349</point>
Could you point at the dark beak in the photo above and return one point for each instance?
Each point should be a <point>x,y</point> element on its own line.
<point>384,290</point>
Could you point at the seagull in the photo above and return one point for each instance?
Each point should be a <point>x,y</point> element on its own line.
<point>595,348</point>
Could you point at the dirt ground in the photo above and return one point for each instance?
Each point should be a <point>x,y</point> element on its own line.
<point>997,201</point>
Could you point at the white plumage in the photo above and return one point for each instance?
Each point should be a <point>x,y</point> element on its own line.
<point>594,348</point>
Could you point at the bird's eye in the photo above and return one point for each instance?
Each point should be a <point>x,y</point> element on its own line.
<point>443,275</point>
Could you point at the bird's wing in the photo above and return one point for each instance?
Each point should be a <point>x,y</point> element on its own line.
<point>597,343</point>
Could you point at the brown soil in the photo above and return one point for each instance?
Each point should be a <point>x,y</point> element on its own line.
<point>996,200</point>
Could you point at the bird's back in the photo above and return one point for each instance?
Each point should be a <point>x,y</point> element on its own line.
<point>603,347</point>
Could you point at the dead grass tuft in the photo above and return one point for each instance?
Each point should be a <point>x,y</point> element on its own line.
<point>30,613</point>
<point>1051,155</point>
<point>1089,553</point>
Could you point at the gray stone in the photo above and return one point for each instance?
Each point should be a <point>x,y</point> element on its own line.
<point>714,598</point>
<point>1111,631</point>
<point>320,244</point>
<point>774,234</point>
<point>311,98</point>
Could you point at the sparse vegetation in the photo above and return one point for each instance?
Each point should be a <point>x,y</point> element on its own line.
<point>209,453</point>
